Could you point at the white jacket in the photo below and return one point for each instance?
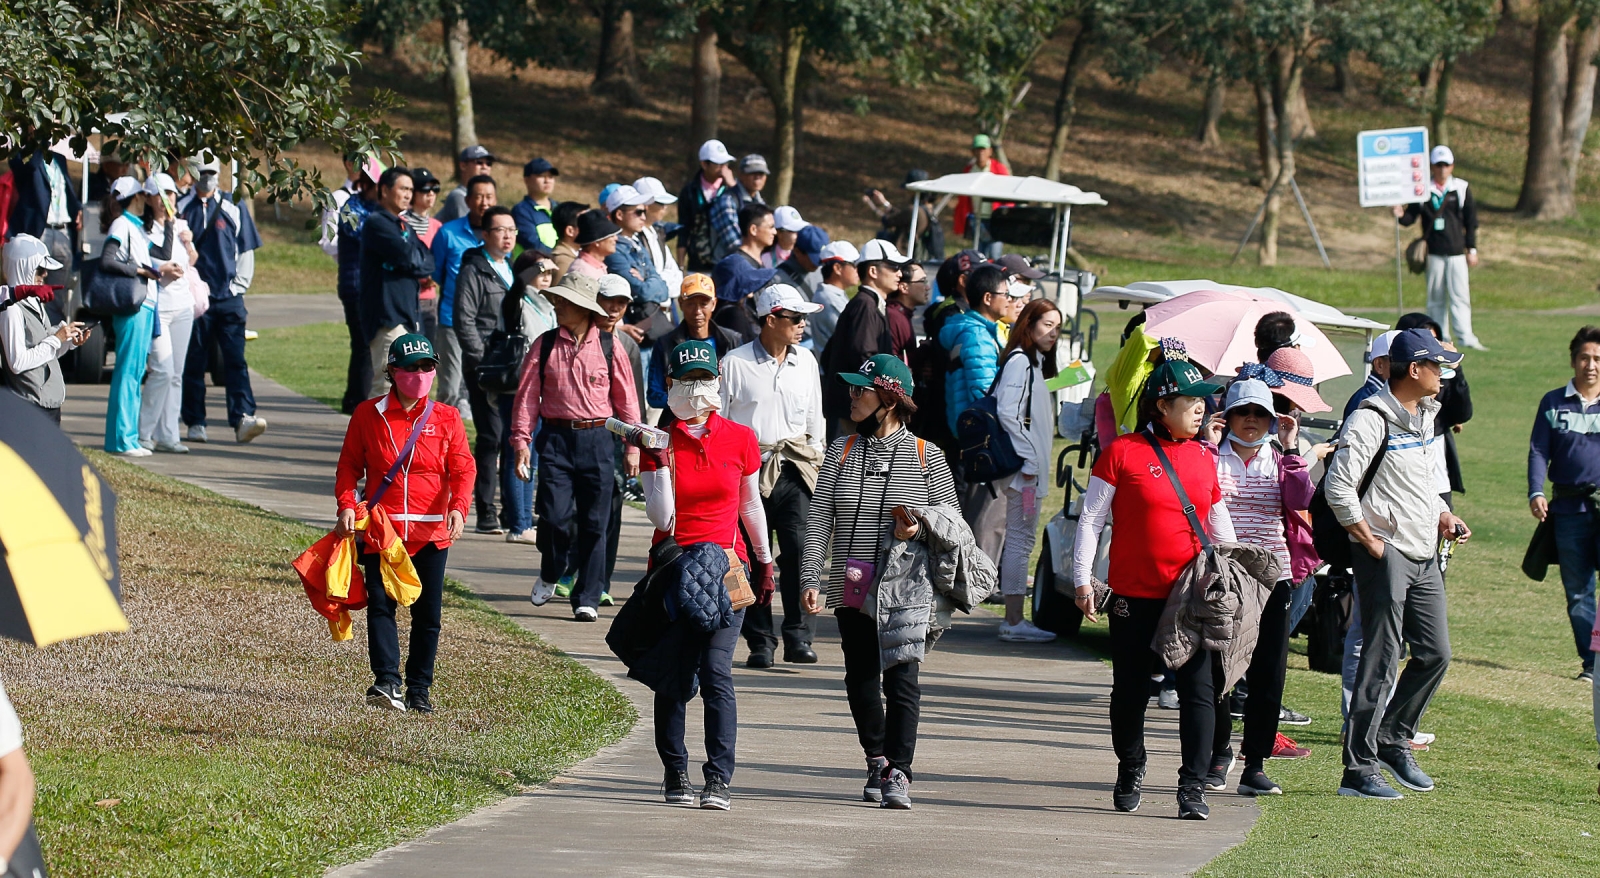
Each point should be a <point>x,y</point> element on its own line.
<point>1402,506</point>
<point>1024,406</point>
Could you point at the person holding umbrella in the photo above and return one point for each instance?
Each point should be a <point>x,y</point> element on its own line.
<point>413,455</point>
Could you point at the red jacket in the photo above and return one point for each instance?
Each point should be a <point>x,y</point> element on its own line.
<point>437,479</point>
<point>964,204</point>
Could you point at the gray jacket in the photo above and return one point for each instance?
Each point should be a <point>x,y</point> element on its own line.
<point>1215,604</point>
<point>923,579</point>
<point>1402,507</point>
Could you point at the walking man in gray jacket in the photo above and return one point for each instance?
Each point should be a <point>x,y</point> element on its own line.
<point>1396,525</point>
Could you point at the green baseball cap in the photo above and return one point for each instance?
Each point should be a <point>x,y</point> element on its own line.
<point>694,355</point>
<point>981,141</point>
<point>1179,378</point>
<point>410,349</point>
<point>884,372</point>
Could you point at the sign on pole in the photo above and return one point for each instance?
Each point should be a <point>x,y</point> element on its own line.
<point>1392,169</point>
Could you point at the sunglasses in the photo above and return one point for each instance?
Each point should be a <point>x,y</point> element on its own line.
<point>424,366</point>
<point>856,390</point>
<point>639,211</point>
<point>426,189</point>
<point>1251,411</point>
<point>791,317</point>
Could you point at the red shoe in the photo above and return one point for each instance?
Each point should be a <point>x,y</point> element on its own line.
<point>1285,748</point>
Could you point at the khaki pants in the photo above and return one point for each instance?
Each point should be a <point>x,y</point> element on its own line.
<point>379,348</point>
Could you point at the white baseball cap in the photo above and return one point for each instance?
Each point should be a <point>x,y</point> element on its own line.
<point>1380,345</point>
<point>24,256</point>
<point>1442,155</point>
<point>125,188</point>
<point>614,286</point>
<point>160,183</point>
<point>206,163</point>
<point>625,196</point>
<point>652,189</point>
<point>879,250</point>
<point>714,151</point>
<point>843,251</point>
<point>783,297</point>
<point>788,219</point>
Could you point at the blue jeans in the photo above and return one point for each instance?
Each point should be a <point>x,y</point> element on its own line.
<point>224,321</point>
<point>722,712</point>
<point>1576,545</point>
<point>1300,600</point>
<point>516,496</point>
<point>127,379</point>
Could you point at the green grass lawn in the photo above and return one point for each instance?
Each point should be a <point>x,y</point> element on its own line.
<point>226,734</point>
<point>309,359</point>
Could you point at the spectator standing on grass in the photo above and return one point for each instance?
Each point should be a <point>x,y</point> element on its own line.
<point>1455,402</point>
<point>597,240</point>
<point>726,220</point>
<point>1450,225</point>
<point>697,299</point>
<point>656,231</point>
<point>481,288</point>
<point>566,221</point>
<point>630,261</point>
<point>452,242</point>
<point>347,249</point>
<point>393,263</point>
<point>528,313</point>
<point>973,341</point>
<point>931,363</point>
<point>965,215</point>
<point>790,224</point>
<point>31,342</point>
<point>1565,448</point>
<point>572,381</point>
<point>226,239</point>
<point>427,502</point>
<point>772,386</point>
<point>862,330</point>
<point>171,242</point>
<point>1396,527</point>
<point>46,206</point>
<point>911,293</point>
<point>535,213</point>
<point>419,216</point>
<point>697,238</point>
<point>838,275</point>
<point>328,229</point>
<point>740,274</point>
<point>474,161</point>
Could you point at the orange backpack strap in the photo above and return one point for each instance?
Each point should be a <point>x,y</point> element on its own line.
<point>922,452</point>
<point>849,442</point>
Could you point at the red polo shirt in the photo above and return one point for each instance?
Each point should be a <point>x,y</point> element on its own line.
<point>706,488</point>
<point>1151,540</point>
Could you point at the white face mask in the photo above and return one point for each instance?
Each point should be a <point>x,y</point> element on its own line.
<point>691,399</point>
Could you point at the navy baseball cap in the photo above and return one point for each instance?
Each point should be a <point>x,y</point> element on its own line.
<point>539,166</point>
<point>1418,346</point>
<point>810,241</point>
<point>476,152</point>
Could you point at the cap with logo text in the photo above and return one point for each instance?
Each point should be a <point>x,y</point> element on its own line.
<point>410,349</point>
<point>692,356</point>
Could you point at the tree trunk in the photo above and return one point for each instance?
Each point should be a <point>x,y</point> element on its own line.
<point>707,88</point>
<point>457,37</point>
<point>1067,99</point>
<point>1266,134</point>
<point>1579,105</point>
<point>1286,91</point>
<point>1440,123</point>
<point>617,71</point>
<point>1543,195</point>
<point>780,86</point>
<point>1211,114</point>
<point>1297,115</point>
<point>1344,80</point>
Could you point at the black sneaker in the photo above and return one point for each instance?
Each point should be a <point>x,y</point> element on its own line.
<point>759,660</point>
<point>1254,782</point>
<point>872,790</point>
<point>386,696</point>
<point>417,701</point>
<point>488,527</point>
<point>896,790</point>
<point>1290,717</point>
<point>1192,804</point>
<point>676,789</point>
<point>1586,675</point>
<point>1221,766</point>
<point>715,797</point>
<point>800,654</point>
<point>1367,786</point>
<point>1125,796</point>
<point>1402,763</point>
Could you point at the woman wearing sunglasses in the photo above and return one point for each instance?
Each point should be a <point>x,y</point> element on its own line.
<point>414,458</point>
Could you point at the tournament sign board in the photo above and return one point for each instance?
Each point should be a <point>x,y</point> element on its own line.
<point>1392,166</point>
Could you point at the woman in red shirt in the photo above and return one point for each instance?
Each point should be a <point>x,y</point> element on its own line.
<point>714,488</point>
<point>427,501</point>
<point>1154,543</point>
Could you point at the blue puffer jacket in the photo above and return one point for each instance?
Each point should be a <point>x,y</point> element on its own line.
<point>630,257</point>
<point>697,596</point>
<point>974,343</point>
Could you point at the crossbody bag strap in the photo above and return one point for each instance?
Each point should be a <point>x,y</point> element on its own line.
<point>405,452</point>
<point>1183,496</point>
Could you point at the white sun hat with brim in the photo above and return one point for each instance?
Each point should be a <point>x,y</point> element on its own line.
<point>580,290</point>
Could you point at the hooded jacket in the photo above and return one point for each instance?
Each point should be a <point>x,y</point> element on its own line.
<point>1402,507</point>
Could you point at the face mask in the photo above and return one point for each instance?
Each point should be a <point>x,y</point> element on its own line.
<point>869,425</point>
<point>1256,444</point>
<point>207,183</point>
<point>691,399</point>
<point>414,385</point>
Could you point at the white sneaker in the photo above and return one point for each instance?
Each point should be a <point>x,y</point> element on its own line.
<point>1024,632</point>
<point>586,614</point>
<point>520,536</point>
<point>1423,738</point>
<point>135,452</point>
<point>542,592</point>
<point>249,428</point>
<point>196,433</point>
<point>171,448</point>
<point>251,335</point>
<point>148,443</point>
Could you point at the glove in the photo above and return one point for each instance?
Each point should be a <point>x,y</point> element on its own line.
<point>765,583</point>
<point>42,292</point>
<point>657,455</point>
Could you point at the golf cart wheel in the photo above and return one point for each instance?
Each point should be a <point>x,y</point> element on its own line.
<point>88,360</point>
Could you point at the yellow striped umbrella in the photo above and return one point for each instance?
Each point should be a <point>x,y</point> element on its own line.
<point>58,534</point>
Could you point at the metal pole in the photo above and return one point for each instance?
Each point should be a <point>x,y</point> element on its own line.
<point>977,224</point>
<point>911,237</point>
<point>1399,278</point>
<point>1055,241</point>
<point>1306,212</point>
<point>1250,231</point>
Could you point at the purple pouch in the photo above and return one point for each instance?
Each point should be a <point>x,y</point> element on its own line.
<point>858,579</point>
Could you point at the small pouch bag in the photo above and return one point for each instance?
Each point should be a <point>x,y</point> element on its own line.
<point>859,577</point>
<point>737,584</point>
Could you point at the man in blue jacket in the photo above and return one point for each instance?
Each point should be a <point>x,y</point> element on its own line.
<point>351,216</point>
<point>1566,447</point>
<point>973,340</point>
<point>450,243</point>
<point>226,238</point>
<point>535,228</point>
<point>393,260</point>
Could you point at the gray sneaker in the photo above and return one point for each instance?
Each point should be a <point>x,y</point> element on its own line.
<point>715,796</point>
<point>1168,699</point>
<point>872,790</point>
<point>896,790</point>
<point>1402,763</point>
<point>249,428</point>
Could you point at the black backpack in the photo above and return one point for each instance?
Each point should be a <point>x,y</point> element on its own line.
<point>987,453</point>
<point>1332,541</point>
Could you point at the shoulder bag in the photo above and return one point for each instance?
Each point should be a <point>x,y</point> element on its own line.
<point>111,284</point>
<point>987,452</point>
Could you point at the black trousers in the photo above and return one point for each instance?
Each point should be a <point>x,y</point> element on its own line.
<point>886,705</point>
<point>573,502</point>
<point>486,448</point>
<point>787,509</point>
<point>1264,681</point>
<point>1133,624</point>
<point>383,638</point>
<point>358,374</point>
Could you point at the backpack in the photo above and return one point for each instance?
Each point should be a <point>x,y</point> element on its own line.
<point>1332,541</point>
<point>987,453</point>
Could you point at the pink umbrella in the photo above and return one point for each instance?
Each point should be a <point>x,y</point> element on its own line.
<point>1218,327</point>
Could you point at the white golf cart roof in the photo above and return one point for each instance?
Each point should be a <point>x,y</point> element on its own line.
<point>1000,187</point>
<point>1152,292</point>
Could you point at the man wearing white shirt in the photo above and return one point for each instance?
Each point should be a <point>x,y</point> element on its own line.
<point>772,386</point>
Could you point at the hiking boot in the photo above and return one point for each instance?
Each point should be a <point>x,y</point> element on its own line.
<point>1192,804</point>
<point>386,696</point>
<point>799,654</point>
<point>1367,786</point>
<point>249,428</point>
<point>417,701</point>
<point>585,614</point>
<point>195,433</point>
<point>676,789</point>
<point>542,592</point>
<point>1168,699</point>
<point>759,660</point>
<point>1284,747</point>
<point>1024,632</point>
<point>1254,782</point>
<point>564,585</point>
<point>872,790</point>
<point>715,796</point>
<point>1216,779</point>
<point>1290,717</point>
<point>896,790</point>
<point>1402,763</point>
<point>1125,795</point>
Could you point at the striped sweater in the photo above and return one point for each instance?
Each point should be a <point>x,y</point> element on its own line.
<point>856,495</point>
